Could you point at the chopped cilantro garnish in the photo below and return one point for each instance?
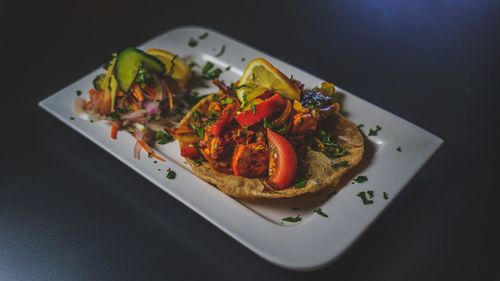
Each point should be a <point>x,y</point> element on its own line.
<point>78,93</point>
<point>399,148</point>
<point>361,126</point>
<point>207,67</point>
<point>370,193</point>
<point>320,212</point>
<point>199,131</point>
<point>209,72</point>
<point>330,147</point>
<point>386,196</point>
<point>199,161</point>
<point>363,197</point>
<point>192,42</point>
<point>203,36</point>
<point>221,52</point>
<point>122,110</point>
<point>253,108</point>
<point>171,174</point>
<point>115,116</point>
<point>267,124</point>
<point>360,179</point>
<point>163,138</point>
<point>343,163</point>
<point>292,219</point>
<point>282,131</point>
<point>300,182</point>
<point>374,132</point>
<point>228,68</point>
<point>197,115</point>
<point>193,64</point>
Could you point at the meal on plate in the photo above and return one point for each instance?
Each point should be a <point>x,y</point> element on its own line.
<point>266,136</point>
<point>141,92</point>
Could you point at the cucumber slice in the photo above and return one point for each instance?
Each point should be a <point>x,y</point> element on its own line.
<point>128,63</point>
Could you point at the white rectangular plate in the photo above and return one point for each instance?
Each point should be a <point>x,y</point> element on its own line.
<point>315,241</point>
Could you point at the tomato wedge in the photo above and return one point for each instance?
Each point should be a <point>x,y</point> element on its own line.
<point>262,110</point>
<point>282,161</point>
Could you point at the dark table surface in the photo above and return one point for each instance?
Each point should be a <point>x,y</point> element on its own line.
<point>70,211</point>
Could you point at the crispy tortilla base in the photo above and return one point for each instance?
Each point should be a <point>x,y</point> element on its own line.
<point>320,172</point>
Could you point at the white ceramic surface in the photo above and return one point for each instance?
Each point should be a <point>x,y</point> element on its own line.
<point>315,241</point>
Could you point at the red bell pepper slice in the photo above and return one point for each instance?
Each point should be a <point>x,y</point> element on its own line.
<point>225,118</point>
<point>262,110</point>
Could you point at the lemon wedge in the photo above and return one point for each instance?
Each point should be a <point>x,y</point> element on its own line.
<point>181,70</point>
<point>261,74</point>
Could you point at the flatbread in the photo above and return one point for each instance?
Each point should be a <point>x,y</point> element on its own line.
<point>319,170</point>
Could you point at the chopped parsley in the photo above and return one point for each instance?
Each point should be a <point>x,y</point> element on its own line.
<point>360,179</point>
<point>292,219</point>
<point>386,196</point>
<point>363,197</point>
<point>374,132</point>
<point>197,115</point>
<point>330,147</point>
<point>253,108</point>
<point>340,164</point>
<point>371,193</point>
<point>203,36</point>
<point>221,52</point>
<point>115,116</point>
<point>320,212</point>
<point>300,182</point>
<point>200,131</point>
<point>209,72</point>
<point>193,64</point>
<point>91,121</point>
<point>267,124</point>
<point>171,174</point>
<point>72,118</point>
<point>78,93</point>
<point>296,209</point>
<point>228,68</point>
<point>192,42</point>
<point>282,131</point>
<point>198,161</point>
<point>399,148</point>
<point>242,59</point>
<point>163,138</point>
<point>361,126</point>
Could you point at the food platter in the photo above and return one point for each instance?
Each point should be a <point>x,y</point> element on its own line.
<point>329,223</point>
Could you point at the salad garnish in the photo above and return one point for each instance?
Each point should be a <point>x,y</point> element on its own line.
<point>143,92</point>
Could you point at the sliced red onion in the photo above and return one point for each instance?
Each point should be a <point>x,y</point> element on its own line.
<point>152,107</point>
<point>137,151</point>
<point>159,84</point>
<point>134,115</point>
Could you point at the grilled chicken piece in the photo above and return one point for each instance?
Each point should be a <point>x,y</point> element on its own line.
<point>304,123</point>
<point>251,160</point>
